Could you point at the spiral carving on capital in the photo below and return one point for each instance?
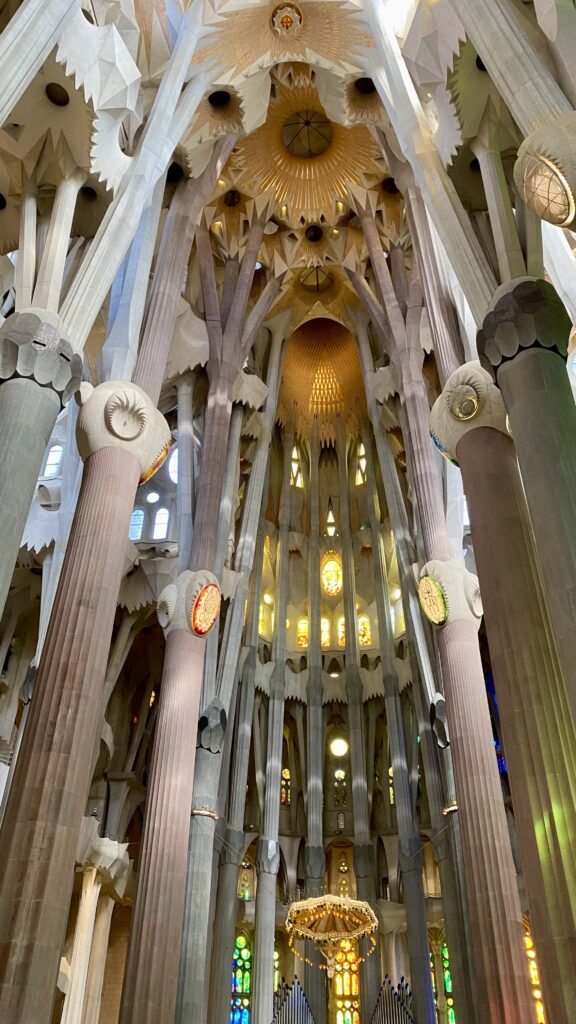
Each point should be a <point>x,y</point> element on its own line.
<point>449,593</point>
<point>525,312</point>
<point>545,171</point>
<point>469,400</point>
<point>119,414</point>
<point>33,345</point>
<point>192,603</point>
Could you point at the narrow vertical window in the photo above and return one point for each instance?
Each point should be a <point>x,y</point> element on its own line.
<point>53,461</point>
<point>173,466</point>
<point>136,524</point>
<point>364,631</point>
<point>341,628</point>
<point>361,466</point>
<point>324,632</point>
<point>296,478</point>
<point>391,786</point>
<point>302,632</point>
<point>285,788</point>
<point>241,982</point>
<point>161,524</point>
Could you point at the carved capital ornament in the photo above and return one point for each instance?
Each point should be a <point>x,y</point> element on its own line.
<point>191,604</point>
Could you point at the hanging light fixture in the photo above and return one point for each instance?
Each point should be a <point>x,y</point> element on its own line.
<point>338,739</point>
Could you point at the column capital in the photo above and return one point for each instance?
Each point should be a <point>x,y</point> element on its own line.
<point>449,593</point>
<point>119,414</point>
<point>526,312</point>
<point>192,603</point>
<point>469,400</point>
<point>34,346</point>
<point>545,170</point>
<point>268,856</point>
<point>233,849</point>
<point>314,863</point>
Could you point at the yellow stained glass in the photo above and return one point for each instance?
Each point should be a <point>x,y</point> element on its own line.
<point>331,573</point>
<point>325,631</point>
<point>302,632</point>
<point>341,631</point>
<point>364,631</point>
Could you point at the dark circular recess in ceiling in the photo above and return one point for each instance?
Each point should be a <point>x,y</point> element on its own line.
<point>175,173</point>
<point>390,187</point>
<point>480,64</point>
<point>88,193</point>
<point>364,86</point>
<point>232,197</point>
<point>3,202</point>
<point>314,233</point>
<point>475,165</point>
<point>307,133</point>
<point>57,94</point>
<point>220,98</point>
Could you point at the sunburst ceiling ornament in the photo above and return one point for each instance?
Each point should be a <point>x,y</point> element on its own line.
<point>287,19</point>
<point>322,380</point>
<point>306,160</point>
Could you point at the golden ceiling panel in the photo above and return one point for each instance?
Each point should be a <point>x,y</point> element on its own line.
<point>271,158</point>
<point>314,292</point>
<point>324,33</point>
<point>322,380</point>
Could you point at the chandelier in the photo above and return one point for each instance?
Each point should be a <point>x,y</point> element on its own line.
<point>327,921</point>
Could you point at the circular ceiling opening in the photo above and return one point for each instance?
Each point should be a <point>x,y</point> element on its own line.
<point>88,193</point>
<point>307,133</point>
<point>475,165</point>
<point>232,197</point>
<point>314,233</point>
<point>480,64</point>
<point>175,173</point>
<point>57,94</point>
<point>316,279</point>
<point>220,98</point>
<point>364,86</point>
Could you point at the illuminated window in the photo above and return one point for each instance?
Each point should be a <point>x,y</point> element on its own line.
<point>331,573</point>
<point>261,620</point>
<point>296,478</point>
<point>339,787</point>
<point>364,631</point>
<point>302,632</point>
<point>341,629</point>
<point>161,524</point>
<point>361,466</point>
<point>534,975</point>
<point>53,461</point>
<point>173,466</point>
<point>276,968</point>
<point>346,984</point>
<point>241,982</point>
<point>330,521</point>
<point>136,524</point>
<point>246,881</point>
<point>391,786</point>
<point>325,631</point>
<point>285,787</point>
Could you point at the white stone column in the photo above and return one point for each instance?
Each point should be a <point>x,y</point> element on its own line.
<point>83,933</point>
<point>97,966</point>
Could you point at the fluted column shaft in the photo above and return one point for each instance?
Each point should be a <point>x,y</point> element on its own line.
<point>411,860</point>
<point>97,968</point>
<point>185,484</point>
<point>83,935</point>
<point>268,849</point>
<point>538,732</point>
<point>55,765</point>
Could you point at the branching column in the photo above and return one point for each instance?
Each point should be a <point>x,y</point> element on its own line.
<point>410,850</point>
<point>268,857</point>
<point>502,990</point>
<point>315,983</point>
<point>364,861</point>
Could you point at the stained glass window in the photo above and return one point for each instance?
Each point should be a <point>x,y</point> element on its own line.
<point>361,466</point>
<point>276,968</point>
<point>296,478</point>
<point>241,982</point>
<point>534,975</point>
<point>341,631</point>
<point>285,787</point>
<point>330,521</point>
<point>136,524</point>
<point>302,632</point>
<point>246,881</point>
<point>346,984</point>
<point>325,631</point>
<point>331,573</point>
<point>391,786</point>
<point>364,631</point>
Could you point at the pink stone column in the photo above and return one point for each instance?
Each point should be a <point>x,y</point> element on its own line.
<point>538,732</point>
<point>149,994</point>
<point>48,793</point>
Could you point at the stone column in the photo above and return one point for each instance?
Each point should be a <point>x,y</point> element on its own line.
<point>364,861</point>
<point>538,731</point>
<point>410,850</point>
<point>97,966</point>
<point>83,934</point>
<point>268,858</point>
<point>232,851</point>
<point>315,979</point>
<point>119,436</point>
<point>39,374</point>
<point>523,345</point>
<point>185,485</point>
